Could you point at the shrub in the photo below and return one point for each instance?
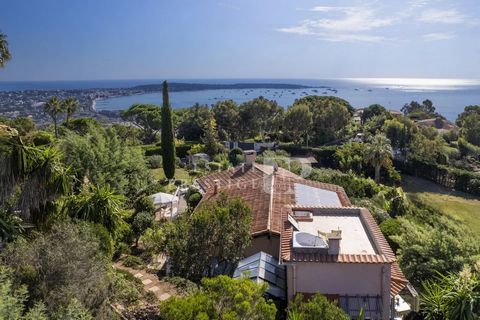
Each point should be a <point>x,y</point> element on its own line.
<point>235,156</point>
<point>151,150</point>
<point>121,249</point>
<point>127,289</point>
<point>132,262</point>
<point>317,308</point>
<point>155,161</point>
<point>194,199</point>
<point>214,166</point>
<point>144,204</point>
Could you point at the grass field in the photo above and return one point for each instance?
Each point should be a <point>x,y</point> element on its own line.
<point>180,173</point>
<point>459,205</point>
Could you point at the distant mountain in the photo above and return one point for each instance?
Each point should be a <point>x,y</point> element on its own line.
<point>177,86</point>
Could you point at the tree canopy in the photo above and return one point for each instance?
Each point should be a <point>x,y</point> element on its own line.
<point>146,117</point>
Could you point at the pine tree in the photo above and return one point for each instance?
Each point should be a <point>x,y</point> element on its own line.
<point>168,139</point>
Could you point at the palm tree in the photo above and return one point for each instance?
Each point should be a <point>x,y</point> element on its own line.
<point>378,153</point>
<point>30,177</point>
<point>70,106</point>
<point>53,107</point>
<point>4,53</point>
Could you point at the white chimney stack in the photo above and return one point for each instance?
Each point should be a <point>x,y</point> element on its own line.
<point>250,156</point>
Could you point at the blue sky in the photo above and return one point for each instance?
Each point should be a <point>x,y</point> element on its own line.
<point>142,39</point>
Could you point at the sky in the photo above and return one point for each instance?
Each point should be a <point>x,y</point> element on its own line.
<point>187,39</point>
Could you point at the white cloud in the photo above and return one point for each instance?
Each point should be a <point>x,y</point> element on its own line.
<point>451,16</point>
<point>370,23</point>
<point>348,27</point>
<point>438,36</point>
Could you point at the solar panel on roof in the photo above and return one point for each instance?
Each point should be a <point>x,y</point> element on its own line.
<point>311,196</point>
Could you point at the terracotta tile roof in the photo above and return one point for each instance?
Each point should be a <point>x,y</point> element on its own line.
<point>272,198</point>
<point>269,195</point>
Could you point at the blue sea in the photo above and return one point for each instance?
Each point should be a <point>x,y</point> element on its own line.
<point>449,96</point>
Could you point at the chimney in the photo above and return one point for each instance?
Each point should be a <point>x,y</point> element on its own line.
<point>216,184</point>
<point>334,239</point>
<point>250,156</point>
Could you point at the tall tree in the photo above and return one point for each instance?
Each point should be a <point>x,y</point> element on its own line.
<point>227,118</point>
<point>70,106</point>
<point>168,138</point>
<point>4,52</point>
<point>297,122</point>
<point>53,107</point>
<point>379,153</point>
<point>146,117</point>
<point>210,138</point>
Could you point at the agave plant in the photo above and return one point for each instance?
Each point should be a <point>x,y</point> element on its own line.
<point>452,296</point>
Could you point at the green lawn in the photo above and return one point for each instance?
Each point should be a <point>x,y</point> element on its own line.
<point>461,206</point>
<point>180,173</point>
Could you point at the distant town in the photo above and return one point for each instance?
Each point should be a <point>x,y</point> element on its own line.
<point>30,102</point>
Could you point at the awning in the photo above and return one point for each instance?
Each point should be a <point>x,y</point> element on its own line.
<point>162,198</point>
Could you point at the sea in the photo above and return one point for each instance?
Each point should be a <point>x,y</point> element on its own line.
<point>449,96</point>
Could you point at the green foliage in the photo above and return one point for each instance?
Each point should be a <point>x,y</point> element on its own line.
<point>98,205</point>
<point>12,300</point>
<point>226,115</point>
<point>330,116</point>
<point>41,138</point>
<point>210,139</point>
<point>221,298</point>
<point>155,161</point>
<point>53,107</point>
<point>427,150</point>
<point>452,296</point>
<point>4,52</point>
<point>235,156</point>
<point>83,126</point>
<point>168,138</point>
<point>317,308</point>
<point>73,311</point>
<point>146,117</point>
<point>469,123</point>
<point>24,125</point>
<point>193,199</point>
<point>141,222</point>
<point>261,117</point>
<point>210,241</point>
<point>419,111</point>
<point>391,228</point>
<point>70,106</point>
<point>193,122</point>
<point>144,204</point>
<point>379,154</point>
<point>298,122</point>
<point>373,110</point>
<point>104,160</point>
<point>351,156</point>
<point>61,265</point>
<point>428,244</point>
<point>133,262</point>
<point>30,177</point>
<point>127,289</point>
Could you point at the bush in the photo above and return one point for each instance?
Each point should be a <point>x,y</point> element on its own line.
<point>391,228</point>
<point>155,161</point>
<point>41,138</point>
<point>151,150</point>
<point>235,156</point>
<point>194,199</point>
<point>132,262</point>
<point>214,166</point>
<point>121,249</point>
<point>144,204</point>
<point>317,308</point>
<point>127,289</point>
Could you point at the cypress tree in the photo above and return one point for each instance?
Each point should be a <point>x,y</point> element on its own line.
<point>168,139</point>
